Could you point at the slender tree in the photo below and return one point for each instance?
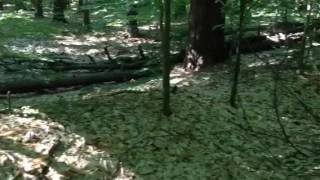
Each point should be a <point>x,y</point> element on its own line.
<point>165,57</point>
<point>301,59</point>
<point>86,15</point>
<point>160,15</point>
<point>206,34</point>
<point>234,89</point>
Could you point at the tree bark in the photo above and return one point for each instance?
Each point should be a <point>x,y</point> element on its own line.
<point>66,80</point>
<point>165,47</point>
<point>234,88</point>
<point>132,14</point>
<point>80,3</point>
<point>206,34</point>
<point>1,5</point>
<point>86,19</point>
<point>97,66</point>
<point>58,10</point>
<point>38,8</point>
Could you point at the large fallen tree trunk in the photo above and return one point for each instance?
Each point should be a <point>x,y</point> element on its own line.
<point>274,28</point>
<point>31,84</point>
<point>96,66</point>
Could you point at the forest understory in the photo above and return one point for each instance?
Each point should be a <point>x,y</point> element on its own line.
<point>115,129</point>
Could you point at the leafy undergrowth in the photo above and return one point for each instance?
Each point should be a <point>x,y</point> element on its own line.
<point>205,138</point>
<point>22,25</point>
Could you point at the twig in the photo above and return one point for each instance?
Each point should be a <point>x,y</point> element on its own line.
<point>275,103</point>
<point>308,109</point>
<point>141,52</point>
<point>106,51</point>
<point>9,100</point>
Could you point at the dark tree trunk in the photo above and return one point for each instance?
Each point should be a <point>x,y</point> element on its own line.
<point>206,34</point>
<point>19,4</point>
<point>234,88</point>
<point>29,84</point>
<point>180,9</point>
<point>80,3</point>
<point>132,13</point>
<point>39,9</point>
<point>1,5</point>
<point>58,10</point>
<point>165,47</point>
<point>86,19</point>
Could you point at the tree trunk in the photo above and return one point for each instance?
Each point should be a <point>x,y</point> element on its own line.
<point>165,47</point>
<point>66,80</point>
<point>234,88</point>
<point>1,5</point>
<point>80,3</point>
<point>206,34</point>
<point>180,9</point>
<point>132,13</point>
<point>38,9</point>
<point>161,15</point>
<point>58,10</point>
<point>86,19</point>
<point>19,4</point>
<point>301,59</point>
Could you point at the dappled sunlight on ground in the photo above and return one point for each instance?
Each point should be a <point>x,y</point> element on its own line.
<point>32,145</point>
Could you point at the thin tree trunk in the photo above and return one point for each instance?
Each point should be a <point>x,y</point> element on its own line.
<point>234,89</point>
<point>301,59</point>
<point>161,16</point>
<point>166,58</point>
<point>86,19</point>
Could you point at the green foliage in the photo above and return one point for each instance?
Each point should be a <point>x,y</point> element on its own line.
<point>21,26</point>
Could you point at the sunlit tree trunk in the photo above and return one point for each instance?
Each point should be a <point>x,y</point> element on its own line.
<point>58,10</point>
<point>206,34</point>
<point>165,57</point>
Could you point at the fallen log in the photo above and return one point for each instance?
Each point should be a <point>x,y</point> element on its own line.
<point>123,63</point>
<point>96,66</point>
<point>30,84</point>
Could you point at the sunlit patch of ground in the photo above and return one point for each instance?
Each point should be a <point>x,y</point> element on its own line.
<point>204,137</point>
<point>33,146</point>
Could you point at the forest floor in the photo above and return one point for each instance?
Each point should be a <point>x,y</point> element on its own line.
<point>117,131</point>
